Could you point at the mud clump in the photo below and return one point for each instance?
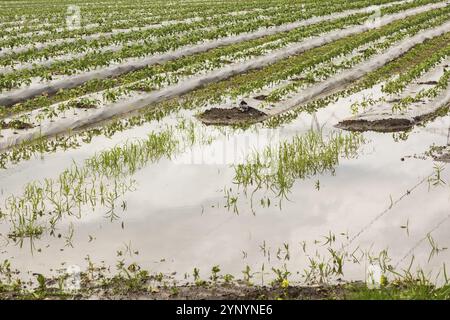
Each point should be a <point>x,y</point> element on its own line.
<point>233,116</point>
<point>381,125</point>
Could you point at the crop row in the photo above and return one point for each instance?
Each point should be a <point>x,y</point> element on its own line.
<point>35,102</point>
<point>86,103</point>
<point>82,45</point>
<point>111,10</point>
<point>212,92</point>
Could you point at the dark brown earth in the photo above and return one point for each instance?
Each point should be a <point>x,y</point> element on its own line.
<point>234,291</point>
<point>233,116</point>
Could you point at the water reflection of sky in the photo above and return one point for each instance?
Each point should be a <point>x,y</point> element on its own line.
<point>177,214</point>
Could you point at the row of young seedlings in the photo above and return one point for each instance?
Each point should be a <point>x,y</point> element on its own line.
<point>58,31</point>
<point>95,59</point>
<point>198,65</point>
<point>41,50</point>
<point>396,86</point>
<point>392,70</point>
<point>425,94</point>
<point>279,16</point>
<point>29,46</point>
<point>108,96</point>
<point>190,65</point>
<point>213,93</point>
<point>363,53</point>
<point>111,10</point>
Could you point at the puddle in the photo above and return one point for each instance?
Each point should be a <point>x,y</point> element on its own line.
<point>177,217</point>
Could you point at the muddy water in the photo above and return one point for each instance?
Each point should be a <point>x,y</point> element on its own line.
<point>176,218</point>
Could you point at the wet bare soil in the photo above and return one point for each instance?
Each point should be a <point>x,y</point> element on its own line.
<point>235,291</point>
<point>232,116</point>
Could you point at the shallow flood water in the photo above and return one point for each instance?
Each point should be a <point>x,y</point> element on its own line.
<point>176,218</point>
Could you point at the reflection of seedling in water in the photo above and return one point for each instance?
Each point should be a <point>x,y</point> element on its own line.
<point>265,202</point>
<point>102,180</point>
<point>400,136</point>
<point>435,250</point>
<point>284,253</point>
<point>231,200</point>
<point>69,237</point>
<point>263,248</point>
<point>299,158</point>
<point>303,246</point>
<point>196,274</point>
<point>262,273</point>
<point>330,239</point>
<point>248,275</point>
<point>406,227</point>
<point>436,179</point>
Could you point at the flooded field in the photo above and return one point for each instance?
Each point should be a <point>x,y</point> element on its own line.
<point>299,153</point>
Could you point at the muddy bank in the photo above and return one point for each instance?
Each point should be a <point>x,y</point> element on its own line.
<point>120,290</point>
<point>243,114</point>
<point>233,292</point>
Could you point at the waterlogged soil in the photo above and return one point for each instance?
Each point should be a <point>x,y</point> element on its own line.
<point>232,116</point>
<point>177,217</point>
<point>233,291</point>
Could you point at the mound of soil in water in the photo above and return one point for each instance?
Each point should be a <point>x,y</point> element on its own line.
<point>382,125</point>
<point>233,116</point>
